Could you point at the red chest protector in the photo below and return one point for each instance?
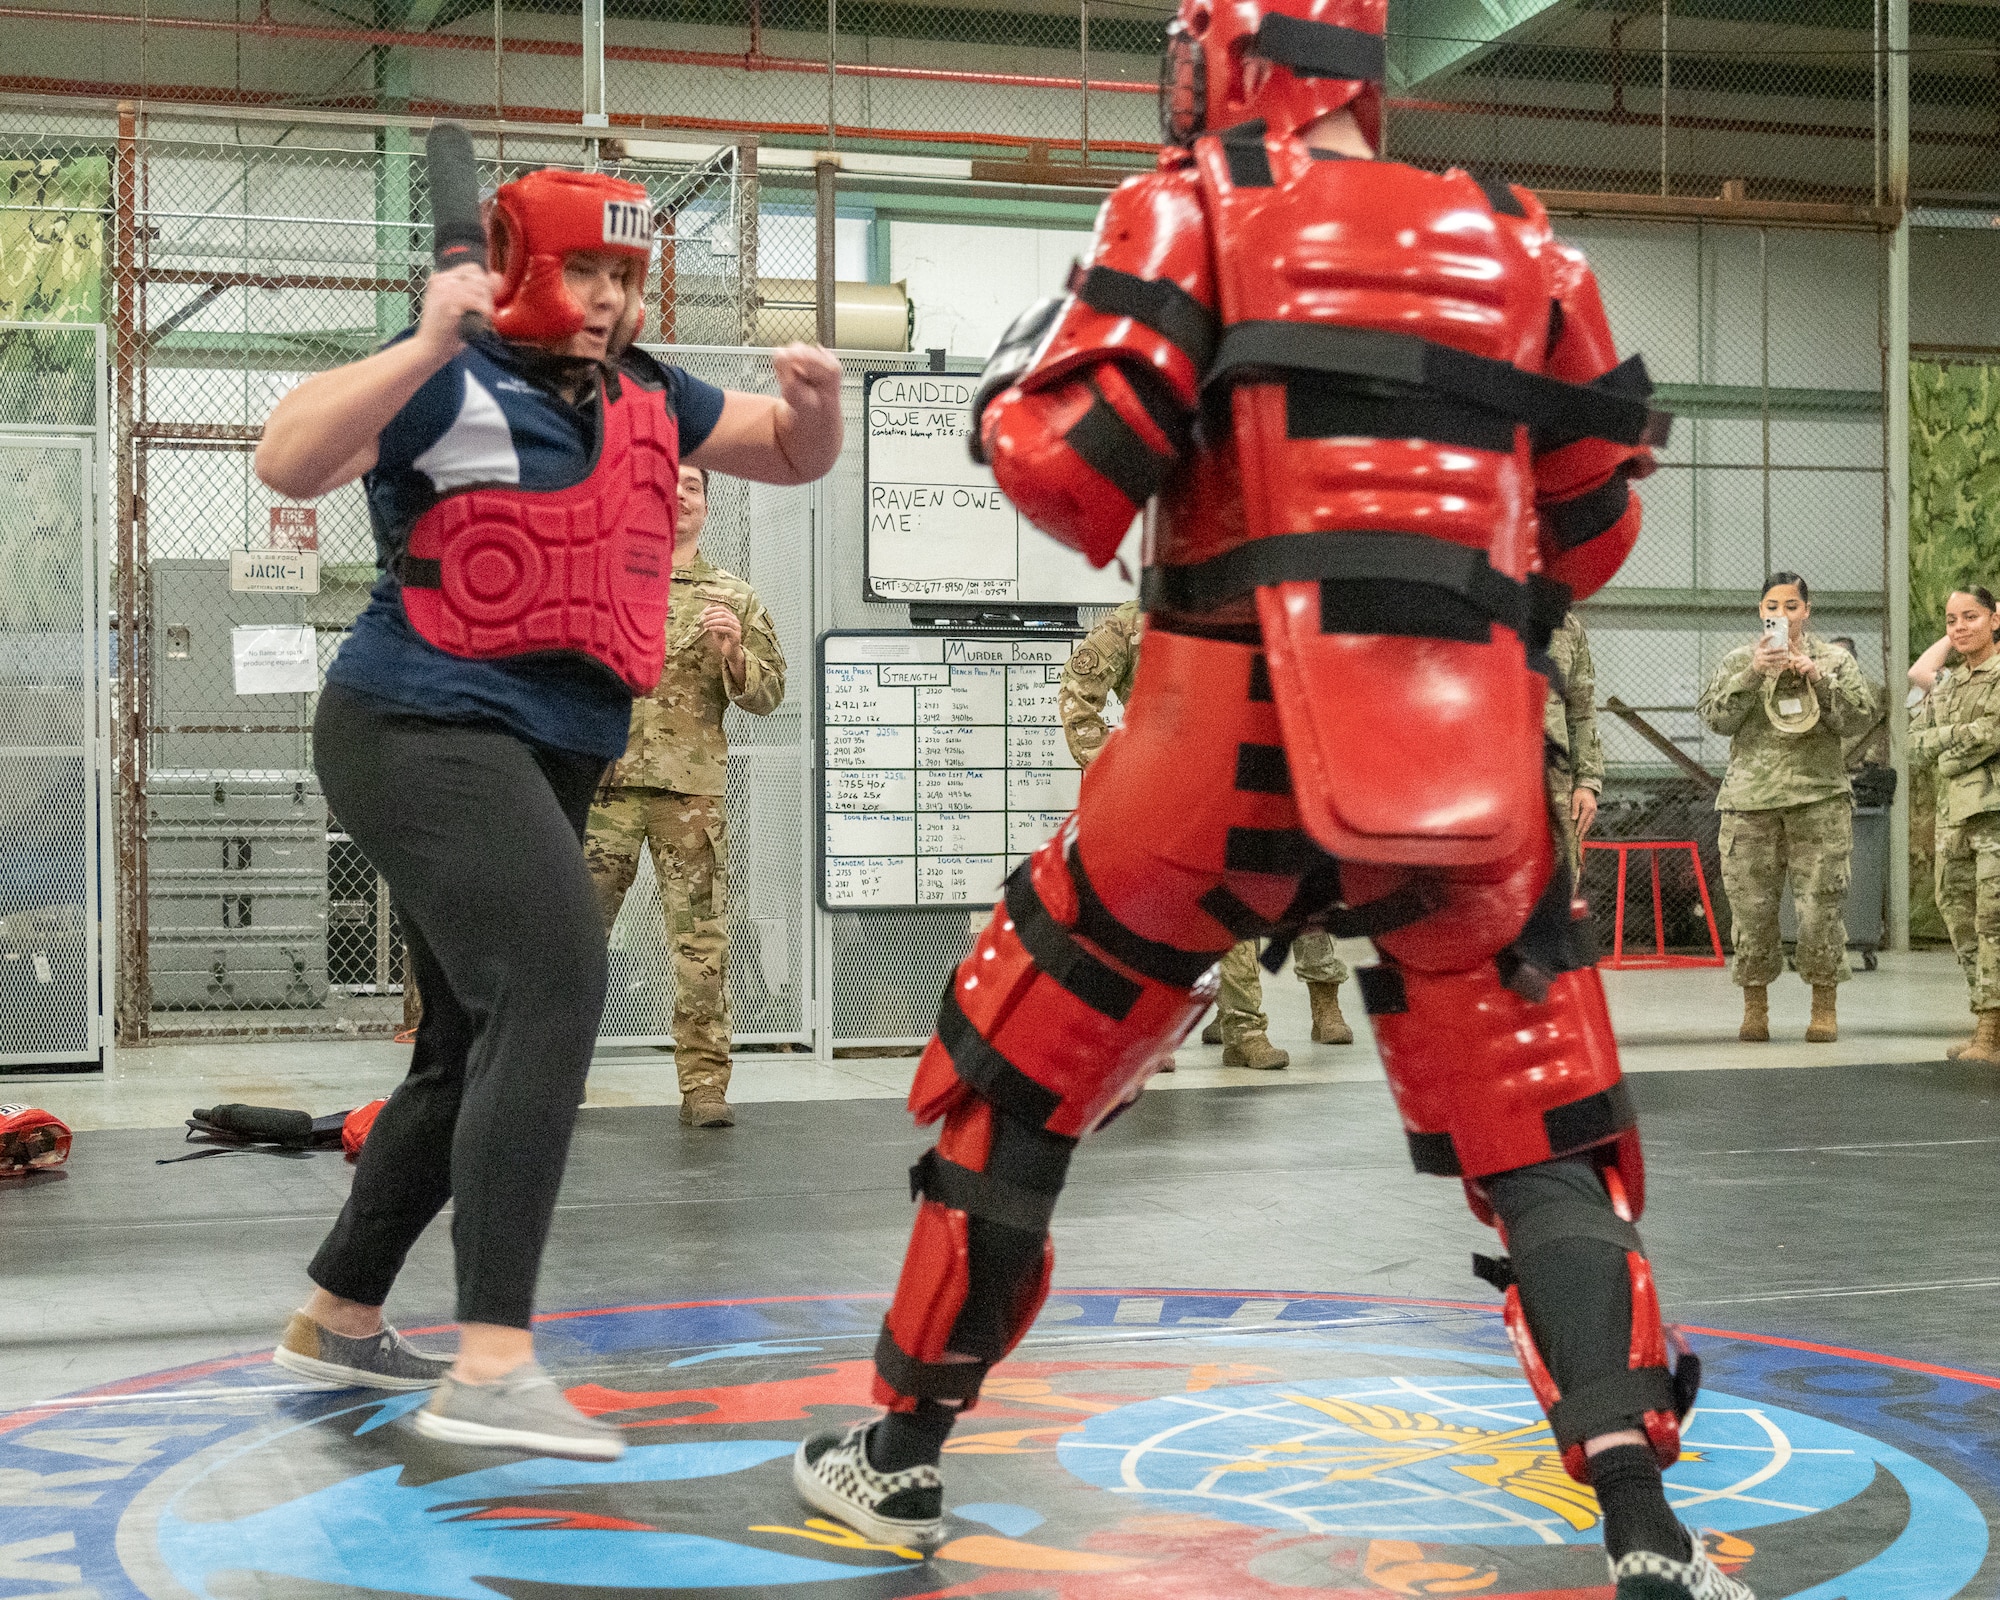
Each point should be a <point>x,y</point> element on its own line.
<point>503,571</point>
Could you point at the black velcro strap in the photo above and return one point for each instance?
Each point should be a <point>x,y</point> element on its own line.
<point>1263,769</point>
<point>1407,559</point>
<point>1163,963</point>
<point>926,1380</point>
<point>1382,992</point>
<point>1284,851</point>
<point>1578,521</point>
<point>1249,162</point>
<point>1547,1224</point>
<point>1234,914</point>
<point>1260,681</point>
<point>1630,380</point>
<point>1399,908</point>
<point>1496,1270</point>
<point>1591,1120</point>
<point>1061,957</point>
<point>1600,410</point>
<point>996,1079</point>
<point>980,1194</point>
<point>1110,448</point>
<point>1320,408</point>
<point>419,572</point>
<point>1501,197</point>
<point>1432,1154</point>
<point>1162,305</point>
<point>1610,1404</point>
<point>1320,49</point>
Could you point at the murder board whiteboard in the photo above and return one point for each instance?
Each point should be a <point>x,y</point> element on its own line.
<point>942,765</point>
<point>938,526</point>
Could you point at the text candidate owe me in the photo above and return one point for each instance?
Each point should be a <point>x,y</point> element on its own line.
<point>938,526</point>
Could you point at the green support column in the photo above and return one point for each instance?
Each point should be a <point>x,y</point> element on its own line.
<point>1896,440</point>
<point>878,250</point>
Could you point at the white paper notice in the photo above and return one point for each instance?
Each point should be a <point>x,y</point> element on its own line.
<point>279,659</point>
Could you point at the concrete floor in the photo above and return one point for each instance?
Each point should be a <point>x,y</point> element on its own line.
<point>1684,1020</point>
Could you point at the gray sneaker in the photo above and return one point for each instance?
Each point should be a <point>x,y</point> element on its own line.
<point>832,1473</point>
<point>384,1360</point>
<point>1642,1575</point>
<point>522,1411</point>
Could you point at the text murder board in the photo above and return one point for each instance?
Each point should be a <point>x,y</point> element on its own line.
<point>942,765</point>
<point>938,526</point>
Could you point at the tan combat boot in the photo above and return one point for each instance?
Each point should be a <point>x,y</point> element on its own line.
<point>706,1108</point>
<point>1212,1034</point>
<point>1329,1026</point>
<point>1954,1051</point>
<point>1824,1027</point>
<point>1985,1044</point>
<point>1260,1055</point>
<point>1756,1027</point>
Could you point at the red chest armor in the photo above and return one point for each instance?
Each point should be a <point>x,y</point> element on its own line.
<point>502,571</point>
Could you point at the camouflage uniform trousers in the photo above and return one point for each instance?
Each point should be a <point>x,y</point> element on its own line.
<point>1240,1005</point>
<point>689,835</point>
<point>1815,842</point>
<point>1968,895</point>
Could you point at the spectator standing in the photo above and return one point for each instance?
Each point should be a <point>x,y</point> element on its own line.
<point>1104,666</point>
<point>1786,810</point>
<point>667,792</point>
<point>1576,759</point>
<point>1957,732</point>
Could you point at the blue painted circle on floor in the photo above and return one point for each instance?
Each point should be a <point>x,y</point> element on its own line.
<point>1257,1445</point>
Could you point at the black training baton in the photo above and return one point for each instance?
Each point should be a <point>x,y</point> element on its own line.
<point>457,235</point>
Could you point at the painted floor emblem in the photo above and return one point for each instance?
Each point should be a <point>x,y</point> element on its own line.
<point>1144,1445</point>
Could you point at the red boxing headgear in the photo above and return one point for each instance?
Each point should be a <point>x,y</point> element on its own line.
<point>1289,62</point>
<point>30,1138</point>
<point>540,219</point>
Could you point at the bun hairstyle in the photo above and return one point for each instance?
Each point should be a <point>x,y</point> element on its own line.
<point>1794,580</point>
<point>1983,595</point>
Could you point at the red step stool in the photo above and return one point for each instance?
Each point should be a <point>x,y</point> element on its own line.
<point>1659,956</point>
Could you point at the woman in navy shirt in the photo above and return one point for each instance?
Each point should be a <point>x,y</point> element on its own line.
<point>463,761</point>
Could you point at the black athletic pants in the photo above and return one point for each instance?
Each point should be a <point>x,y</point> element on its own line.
<point>480,836</point>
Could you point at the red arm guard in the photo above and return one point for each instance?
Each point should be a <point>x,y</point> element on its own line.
<point>1102,411</point>
<point>1589,517</point>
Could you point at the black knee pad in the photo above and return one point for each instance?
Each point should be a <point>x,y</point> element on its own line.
<point>1006,1258</point>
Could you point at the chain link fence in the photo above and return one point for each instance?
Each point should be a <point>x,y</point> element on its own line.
<point>265,216</point>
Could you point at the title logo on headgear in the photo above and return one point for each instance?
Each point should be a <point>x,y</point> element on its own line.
<point>627,224</point>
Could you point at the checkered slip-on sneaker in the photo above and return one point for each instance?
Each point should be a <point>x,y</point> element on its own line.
<point>1642,1575</point>
<point>832,1474</point>
<point>522,1411</point>
<point>384,1360</point>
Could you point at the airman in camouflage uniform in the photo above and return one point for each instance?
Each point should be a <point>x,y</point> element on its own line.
<point>1575,758</point>
<point>1103,666</point>
<point>1786,807</point>
<point>1957,732</point>
<point>666,791</point>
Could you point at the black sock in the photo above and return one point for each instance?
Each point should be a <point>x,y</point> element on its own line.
<point>1636,1515</point>
<point>916,1438</point>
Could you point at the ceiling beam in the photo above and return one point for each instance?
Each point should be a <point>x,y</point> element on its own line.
<point>1428,38</point>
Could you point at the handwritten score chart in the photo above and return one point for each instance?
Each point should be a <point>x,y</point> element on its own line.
<point>938,526</point>
<point>942,765</point>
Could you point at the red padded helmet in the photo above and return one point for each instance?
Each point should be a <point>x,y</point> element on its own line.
<point>540,219</point>
<point>1288,62</point>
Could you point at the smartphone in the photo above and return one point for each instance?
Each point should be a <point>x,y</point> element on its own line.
<point>1776,633</point>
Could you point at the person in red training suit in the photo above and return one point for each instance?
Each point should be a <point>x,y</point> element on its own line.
<point>1389,441</point>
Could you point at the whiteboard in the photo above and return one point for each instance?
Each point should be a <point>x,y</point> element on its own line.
<point>942,765</point>
<point>938,527</point>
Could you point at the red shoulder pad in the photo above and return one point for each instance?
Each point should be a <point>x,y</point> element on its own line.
<point>1148,296</point>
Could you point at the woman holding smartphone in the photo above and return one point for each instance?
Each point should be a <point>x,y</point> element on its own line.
<point>1784,702</point>
<point>1957,730</point>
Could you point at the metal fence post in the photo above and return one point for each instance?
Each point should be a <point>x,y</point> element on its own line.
<point>594,115</point>
<point>1896,406</point>
<point>747,300</point>
<point>823,252</point>
<point>134,692</point>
